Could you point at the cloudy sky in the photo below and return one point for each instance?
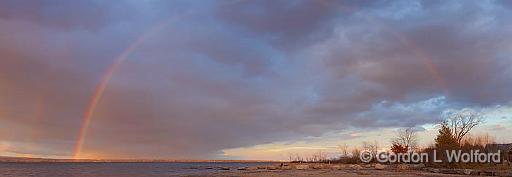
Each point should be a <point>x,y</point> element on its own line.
<point>240,79</point>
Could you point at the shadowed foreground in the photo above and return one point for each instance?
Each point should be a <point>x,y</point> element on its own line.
<point>328,173</point>
<point>380,170</point>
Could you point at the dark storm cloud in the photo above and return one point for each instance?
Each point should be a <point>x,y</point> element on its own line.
<point>467,50</point>
<point>219,75</point>
<point>283,23</point>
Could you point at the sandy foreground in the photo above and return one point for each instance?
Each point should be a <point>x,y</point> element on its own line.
<point>328,173</point>
<point>368,170</point>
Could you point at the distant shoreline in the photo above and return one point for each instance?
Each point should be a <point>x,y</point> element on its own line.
<point>37,160</point>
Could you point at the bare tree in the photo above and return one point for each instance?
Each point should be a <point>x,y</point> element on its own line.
<point>406,138</point>
<point>478,140</point>
<point>322,156</point>
<point>372,147</point>
<point>461,122</point>
<point>295,157</point>
<point>356,152</point>
<point>344,150</point>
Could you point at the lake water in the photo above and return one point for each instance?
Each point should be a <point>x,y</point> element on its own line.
<point>115,169</point>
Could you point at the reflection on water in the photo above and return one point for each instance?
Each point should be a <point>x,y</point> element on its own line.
<point>114,169</point>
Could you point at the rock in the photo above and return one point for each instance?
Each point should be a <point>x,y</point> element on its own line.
<point>252,168</point>
<point>224,168</point>
<point>301,167</point>
<point>316,167</point>
<point>450,171</point>
<point>271,168</point>
<point>335,167</point>
<point>342,166</point>
<point>402,167</point>
<point>418,166</point>
<point>286,168</point>
<point>261,167</point>
<point>467,171</point>
<point>435,170</point>
<point>243,168</point>
<point>380,166</point>
<point>209,167</point>
<point>356,167</point>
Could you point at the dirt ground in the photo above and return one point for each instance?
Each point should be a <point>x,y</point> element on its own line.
<point>329,173</point>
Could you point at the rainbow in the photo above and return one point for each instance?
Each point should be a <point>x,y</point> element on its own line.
<point>107,76</point>
<point>426,60</point>
<point>98,93</point>
<point>118,61</point>
<point>100,88</point>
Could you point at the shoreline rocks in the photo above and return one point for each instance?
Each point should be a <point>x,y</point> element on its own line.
<point>380,166</point>
<point>364,168</point>
<point>301,167</point>
<point>356,167</point>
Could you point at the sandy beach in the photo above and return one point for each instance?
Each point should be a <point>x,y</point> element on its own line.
<point>327,170</point>
<point>328,173</point>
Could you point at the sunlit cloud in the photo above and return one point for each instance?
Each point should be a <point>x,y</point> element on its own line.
<point>244,79</point>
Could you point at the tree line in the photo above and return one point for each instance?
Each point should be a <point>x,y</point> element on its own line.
<point>453,134</point>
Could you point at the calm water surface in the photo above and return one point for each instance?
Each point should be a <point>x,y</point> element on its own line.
<point>114,169</point>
